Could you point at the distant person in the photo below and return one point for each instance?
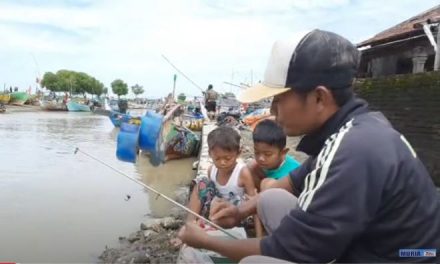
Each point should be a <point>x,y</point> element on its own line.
<point>211,97</point>
<point>272,162</point>
<point>227,178</point>
<point>10,89</point>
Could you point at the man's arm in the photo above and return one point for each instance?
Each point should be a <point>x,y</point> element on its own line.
<point>340,195</point>
<point>234,249</point>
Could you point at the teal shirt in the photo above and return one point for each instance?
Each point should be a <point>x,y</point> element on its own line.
<point>286,167</point>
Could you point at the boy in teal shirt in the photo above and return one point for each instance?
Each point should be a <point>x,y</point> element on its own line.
<point>271,159</point>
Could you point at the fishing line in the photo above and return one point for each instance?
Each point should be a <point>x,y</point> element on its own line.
<point>183,74</point>
<point>159,194</point>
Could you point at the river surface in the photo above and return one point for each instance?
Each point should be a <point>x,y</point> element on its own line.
<point>62,207</point>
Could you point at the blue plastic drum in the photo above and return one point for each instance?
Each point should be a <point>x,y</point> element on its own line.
<point>127,143</point>
<point>149,131</point>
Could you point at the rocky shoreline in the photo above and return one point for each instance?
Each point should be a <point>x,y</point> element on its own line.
<point>152,243</point>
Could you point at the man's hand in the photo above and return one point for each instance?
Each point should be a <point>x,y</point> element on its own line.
<point>224,214</point>
<point>192,235</point>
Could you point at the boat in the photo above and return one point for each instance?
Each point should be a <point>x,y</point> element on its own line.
<point>53,105</point>
<point>19,98</point>
<point>118,119</point>
<point>104,109</point>
<point>77,106</point>
<point>160,136</point>
<point>4,98</point>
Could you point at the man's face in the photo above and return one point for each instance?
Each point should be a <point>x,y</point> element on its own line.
<point>297,114</point>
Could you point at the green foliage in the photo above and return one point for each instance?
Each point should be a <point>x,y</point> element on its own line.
<point>119,87</point>
<point>137,89</point>
<point>181,97</point>
<point>71,81</point>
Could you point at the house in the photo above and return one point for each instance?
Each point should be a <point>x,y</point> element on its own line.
<point>409,47</point>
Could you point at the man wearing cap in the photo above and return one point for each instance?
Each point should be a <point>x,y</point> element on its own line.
<point>362,196</point>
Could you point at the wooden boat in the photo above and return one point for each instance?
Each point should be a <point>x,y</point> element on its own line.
<point>52,105</point>
<point>161,136</point>
<point>19,98</point>
<point>76,106</point>
<point>4,98</point>
<point>118,119</point>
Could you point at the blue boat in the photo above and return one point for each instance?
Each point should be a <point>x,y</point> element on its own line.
<point>74,106</point>
<point>118,118</point>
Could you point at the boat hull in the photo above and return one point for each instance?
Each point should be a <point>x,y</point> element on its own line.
<point>53,106</point>
<point>18,98</point>
<point>77,107</point>
<point>5,98</point>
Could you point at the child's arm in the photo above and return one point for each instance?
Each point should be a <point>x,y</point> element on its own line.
<point>247,182</point>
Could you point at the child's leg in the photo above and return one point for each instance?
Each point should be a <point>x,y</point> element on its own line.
<point>203,193</point>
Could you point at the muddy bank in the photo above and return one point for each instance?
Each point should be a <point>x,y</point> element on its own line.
<point>22,108</point>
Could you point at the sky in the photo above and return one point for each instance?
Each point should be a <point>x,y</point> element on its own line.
<point>210,41</point>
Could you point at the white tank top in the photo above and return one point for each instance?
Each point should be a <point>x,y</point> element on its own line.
<point>230,191</point>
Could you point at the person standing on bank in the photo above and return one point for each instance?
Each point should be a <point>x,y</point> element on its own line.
<point>362,195</point>
<point>211,97</point>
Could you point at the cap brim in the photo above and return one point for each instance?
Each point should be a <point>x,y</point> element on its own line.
<point>259,92</point>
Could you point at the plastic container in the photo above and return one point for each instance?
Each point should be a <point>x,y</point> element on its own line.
<point>149,131</point>
<point>127,143</point>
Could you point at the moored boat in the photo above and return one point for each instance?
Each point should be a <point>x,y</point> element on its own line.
<point>51,105</point>
<point>4,98</point>
<point>75,106</point>
<point>19,98</point>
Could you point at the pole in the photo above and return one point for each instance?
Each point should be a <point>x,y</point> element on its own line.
<point>174,86</point>
<point>437,52</point>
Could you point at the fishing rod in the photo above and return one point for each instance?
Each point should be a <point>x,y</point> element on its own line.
<point>159,194</point>
<point>242,86</point>
<point>183,74</point>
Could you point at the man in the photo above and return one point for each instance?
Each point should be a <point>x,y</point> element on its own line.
<point>211,97</point>
<point>360,197</point>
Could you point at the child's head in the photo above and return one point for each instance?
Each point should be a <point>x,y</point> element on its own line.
<point>224,147</point>
<point>269,144</point>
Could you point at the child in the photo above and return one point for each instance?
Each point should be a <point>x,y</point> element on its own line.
<point>227,178</point>
<point>271,159</point>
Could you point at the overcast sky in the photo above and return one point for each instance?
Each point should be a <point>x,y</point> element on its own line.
<point>211,41</point>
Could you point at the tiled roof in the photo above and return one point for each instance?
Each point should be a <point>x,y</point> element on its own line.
<point>404,29</point>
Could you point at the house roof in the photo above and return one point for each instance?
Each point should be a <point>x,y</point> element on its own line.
<point>403,30</point>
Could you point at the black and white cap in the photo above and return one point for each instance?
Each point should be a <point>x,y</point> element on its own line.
<point>319,58</point>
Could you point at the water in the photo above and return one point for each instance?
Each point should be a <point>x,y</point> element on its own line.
<point>61,207</point>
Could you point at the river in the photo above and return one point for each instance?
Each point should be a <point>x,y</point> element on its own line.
<point>62,207</point>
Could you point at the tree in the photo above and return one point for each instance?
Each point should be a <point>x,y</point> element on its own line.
<point>50,81</point>
<point>137,89</point>
<point>72,81</point>
<point>119,87</point>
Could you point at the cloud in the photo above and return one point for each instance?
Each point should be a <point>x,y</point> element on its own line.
<point>211,41</point>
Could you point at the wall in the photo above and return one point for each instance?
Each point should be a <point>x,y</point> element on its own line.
<point>412,104</point>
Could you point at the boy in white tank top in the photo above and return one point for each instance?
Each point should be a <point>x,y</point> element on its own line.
<point>227,179</point>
